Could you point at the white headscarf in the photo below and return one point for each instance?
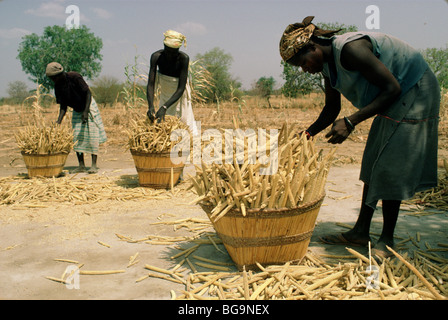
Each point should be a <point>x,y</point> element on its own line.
<point>174,39</point>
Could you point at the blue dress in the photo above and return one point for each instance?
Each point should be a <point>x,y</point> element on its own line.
<point>400,157</point>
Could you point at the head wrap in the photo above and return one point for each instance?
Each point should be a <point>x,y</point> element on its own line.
<point>174,39</point>
<point>298,35</point>
<point>53,69</point>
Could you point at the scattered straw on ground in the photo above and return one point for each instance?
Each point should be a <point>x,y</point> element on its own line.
<point>415,275</point>
<point>21,192</point>
<point>435,199</point>
<point>353,276</point>
<point>424,276</point>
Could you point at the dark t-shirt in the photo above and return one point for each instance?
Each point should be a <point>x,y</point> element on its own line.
<point>73,93</point>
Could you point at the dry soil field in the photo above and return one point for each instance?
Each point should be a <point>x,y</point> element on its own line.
<point>121,229</point>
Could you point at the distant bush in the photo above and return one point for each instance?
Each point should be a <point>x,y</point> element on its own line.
<point>106,90</point>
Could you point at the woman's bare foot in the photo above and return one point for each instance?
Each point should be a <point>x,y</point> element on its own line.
<point>381,250</point>
<point>349,238</point>
<point>93,169</point>
<point>79,169</point>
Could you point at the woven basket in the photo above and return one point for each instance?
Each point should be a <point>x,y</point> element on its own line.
<point>156,170</point>
<point>267,236</point>
<point>44,165</point>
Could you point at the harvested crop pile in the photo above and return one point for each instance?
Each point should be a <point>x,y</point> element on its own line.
<point>42,139</point>
<point>318,280</point>
<point>42,192</point>
<point>434,198</point>
<point>420,275</point>
<point>148,137</point>
<point>300,178</point>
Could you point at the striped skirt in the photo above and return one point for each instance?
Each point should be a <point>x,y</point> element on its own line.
<point>88,136</point>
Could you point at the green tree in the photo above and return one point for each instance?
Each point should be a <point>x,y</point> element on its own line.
<point>299,82</point>
<point>76,49</point>
<point>265,87</point>
<point>218,63</point>
<point>438,61</point>
<point>18,91</point>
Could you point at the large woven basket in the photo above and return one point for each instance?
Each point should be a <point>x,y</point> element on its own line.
<point>156,170</point>
<point>44,165</point>
<point>267,236</point>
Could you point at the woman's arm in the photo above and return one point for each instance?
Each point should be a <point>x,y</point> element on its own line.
<point>358,55</point>
<point>62,112</point>
<point>330,111</point>
<point>85,114</point>
<point>150,88</point>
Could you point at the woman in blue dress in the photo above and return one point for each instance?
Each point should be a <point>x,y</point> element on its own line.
<point>384,78</point>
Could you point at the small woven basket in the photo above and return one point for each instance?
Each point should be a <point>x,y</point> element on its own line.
<point>44,165</point>
<point>156,170</point>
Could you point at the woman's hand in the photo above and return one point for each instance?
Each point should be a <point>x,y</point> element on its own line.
<point>85,117</point>
<point>160,115</point>
<point>338,133</point>
<point>151,114</point>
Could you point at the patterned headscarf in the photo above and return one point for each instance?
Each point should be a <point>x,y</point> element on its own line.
<point>53,69</point>
<point>174,39</point>
<point>298,35</point>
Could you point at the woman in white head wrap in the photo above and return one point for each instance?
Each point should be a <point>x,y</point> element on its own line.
<point>174,39</point>
<point>169,71</point>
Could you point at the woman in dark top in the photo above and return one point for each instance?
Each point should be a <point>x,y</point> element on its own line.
<point>72,91</point>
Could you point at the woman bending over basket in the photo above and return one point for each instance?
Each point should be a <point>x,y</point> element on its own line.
<point>383,77</point>
<point>168,72</point>
<point>71,90</point>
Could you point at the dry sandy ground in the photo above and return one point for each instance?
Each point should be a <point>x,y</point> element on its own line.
<point>32,239</point>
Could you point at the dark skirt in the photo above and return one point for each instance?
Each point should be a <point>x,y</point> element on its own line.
<point>400,157</point>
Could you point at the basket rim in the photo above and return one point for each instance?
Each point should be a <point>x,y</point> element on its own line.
<point>152,153</point>
<point>44,154</point>
<point>269,212</point>
<point>160,170</point>
<point>164,154</point>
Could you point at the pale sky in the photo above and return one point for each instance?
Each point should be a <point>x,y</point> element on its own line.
<point>248,30</point>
